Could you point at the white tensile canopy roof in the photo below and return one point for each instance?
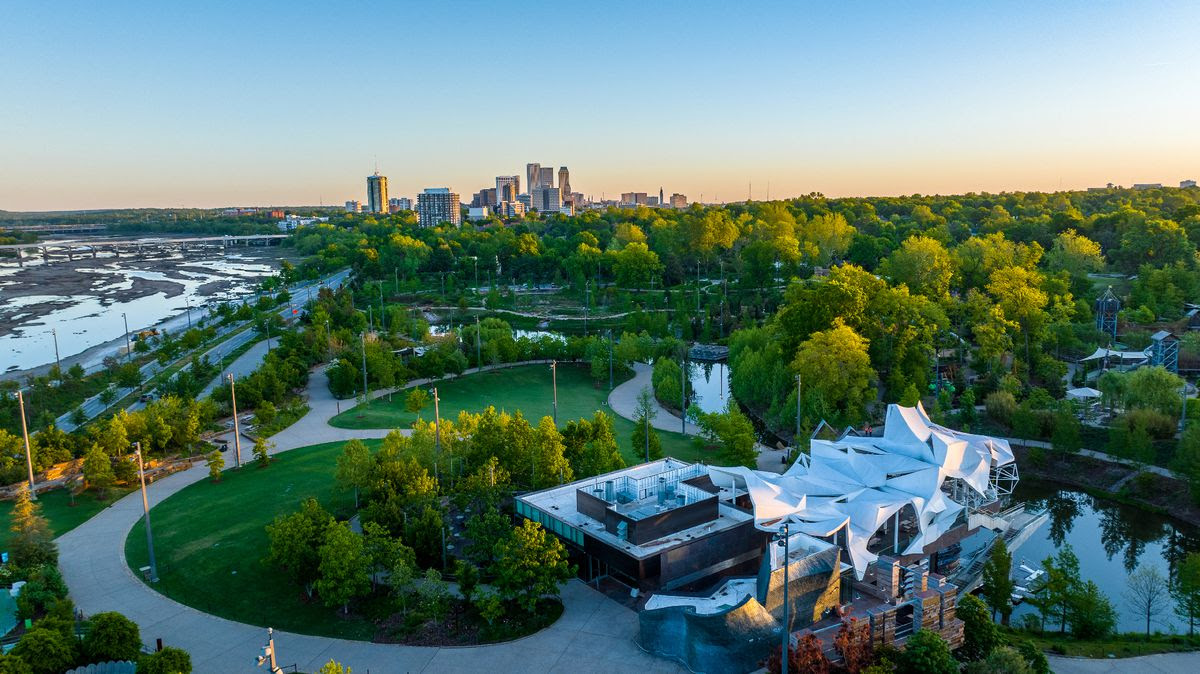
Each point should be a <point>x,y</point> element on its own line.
<point>862,481</point>
<point>1102,352</point>
<point>1083,393</point>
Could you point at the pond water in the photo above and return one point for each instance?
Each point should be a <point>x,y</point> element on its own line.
<point>1110,539</point>
<point>710,385</point>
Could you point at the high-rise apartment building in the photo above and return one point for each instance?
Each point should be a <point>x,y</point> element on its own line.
<point>511,209</point>
<point>507,188</point>
<point>437,205</point>
<point>547,199</point>
<point>546,176</point>
<point>402,204</point>
<point>678,201</point>
<point>377,198</point>
<point>634,198</point>
<point>564,181</point>
<point>354,206</point>
<point>533,175</point>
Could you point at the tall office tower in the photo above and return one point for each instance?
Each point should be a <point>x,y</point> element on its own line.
<point>507,188</point>
<point>377,198</point>
<point>484,197</point>
<point>678,201</point>
<point>533,174</point>
<point>546,176</point>
<point>547,199</point>
<point>437,205</point>
<point>661,200</point>
<point>564,181</point>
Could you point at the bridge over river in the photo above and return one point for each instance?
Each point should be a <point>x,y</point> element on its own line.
<point>68,249</point>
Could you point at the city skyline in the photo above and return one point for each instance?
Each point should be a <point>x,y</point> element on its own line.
<point>233,105</point>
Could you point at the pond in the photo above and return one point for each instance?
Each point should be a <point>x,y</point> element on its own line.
<point>710,385</point>
<point>1110,539</point>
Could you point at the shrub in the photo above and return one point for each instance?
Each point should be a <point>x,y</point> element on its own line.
<point>46,651</point>
<point>1000,406</point>
<point>112,637</point>
<point>167,661</point>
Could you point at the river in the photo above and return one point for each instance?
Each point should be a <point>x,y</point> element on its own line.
<point>1111,540</point>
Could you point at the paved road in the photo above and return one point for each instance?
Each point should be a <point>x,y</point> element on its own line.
<point>242,366</point>
<point>594,634</point>
<point>1167,663</point>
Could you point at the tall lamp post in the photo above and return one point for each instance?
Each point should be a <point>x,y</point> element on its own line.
<point>146,509</point>
<point>28,450</point>
<point>610,362</point>
<point>237,433</point>
<point>128,348</point>
<point>554,379</point>
<point>437,432</point>
<point>683,395</point>
<point>478,351</point>
<point>54,333</point>
<point>366,393</point>
<point>781,539</point>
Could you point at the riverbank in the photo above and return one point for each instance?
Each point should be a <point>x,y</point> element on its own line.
<point>1116,481</point>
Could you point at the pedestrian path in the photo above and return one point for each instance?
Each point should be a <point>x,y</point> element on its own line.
<point>1164,663</point>
<point>593,634</point>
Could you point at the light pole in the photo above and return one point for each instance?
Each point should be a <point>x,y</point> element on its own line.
<point>478,352</point>
<point>237,433</point>
<point>798,391</point>
<point>683,395</point>
<point>646,417</point>
<point>610,362</point>
<point>781,539</point>
<point>146,509</point>
<point>188,304</point>
<point>587,299</point>
<point>28,450</point>
<point>554,378</point>
<point>382,316</point>
<point>437,431</point>
<point>128,348</point>
<point>268,653</point>
<point>366,393</point>
<point>54,333</point>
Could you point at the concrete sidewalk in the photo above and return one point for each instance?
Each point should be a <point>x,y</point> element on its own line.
<point>593,634</point>
<point>1166,663</point>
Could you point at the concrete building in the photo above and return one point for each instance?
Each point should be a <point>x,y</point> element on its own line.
<point>354,206</point>
<point>511,209</point>
<point>485,197</point>
<point>401,204</point>
<point>678,200</point>
<point>547,199</point>
<point>526,200</point>
<point>634,199</point>
<point>545,177</point>
<point>1187,183</point>
<point>479,212</point>
<point>653,201</point>
<point>564,181</point>
<point>1147,186</point>
<point>533,176</point>
<point>437,205</point>
<point>507,188</point>
<point>377,195</point>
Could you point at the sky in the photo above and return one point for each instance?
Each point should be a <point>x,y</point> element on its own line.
<point>207,104</point>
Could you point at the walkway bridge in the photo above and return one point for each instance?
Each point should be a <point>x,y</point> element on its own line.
<point>68,249</point>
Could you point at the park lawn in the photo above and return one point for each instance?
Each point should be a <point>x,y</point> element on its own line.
<point>58,511</point>
<point>210,540</point>
<point>1117,646</point>
<point>526,388</point>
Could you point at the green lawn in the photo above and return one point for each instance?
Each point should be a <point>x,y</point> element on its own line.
<point>210,540</point>
<point>1117,646</point>
<point>58,511</point>
<point>527,388</point>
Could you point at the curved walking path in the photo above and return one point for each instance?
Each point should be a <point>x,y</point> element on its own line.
<point>593,634</point>
<point>1164,663</point>
<point>623,401</point>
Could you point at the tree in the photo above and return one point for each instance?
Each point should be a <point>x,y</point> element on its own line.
<point>923,265</point>
<point>383,550</point>
<point>853,643</point>
<point>1002,660</point>
<point>979,632</point>
<point>997,580</point>
<point>296,539</point>
<point>1154,388</point>
<point>401,578</point>
<point>98,471</point>
<point>1059,586</point>
<point>31,543</point>
<point>1066,436</point>
<point>334,667</point>
<point>216,463</point>
<point>262,451</point>
<point>1146,593</point>
<point>11,664</point>
<point>489,605</point>
<point>1091,613</point>
<point>1185,590</point>
<point>1077,255</point>
<point>343,567</point>
<point>112,636</point>
<point>169,660</point>
<point>645,437</point>
<point>529,564</point>
<point>416,400</point>
<point>435,595</point>
<point>46,651</point>
<point>354,467</point>
<point>1187,459</point>
<point>733,435</point>
<point>468,578</point>
<point>594,446</point>
<point>836,371</point>
<point>483,532</point>
<point>926,653</point>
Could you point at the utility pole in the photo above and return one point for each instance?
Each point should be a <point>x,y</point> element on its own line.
<point>396,279</point>
<point>57,362</point>
<point>188,304</point>
<point>697,285</point>
<point>587,299</point>
<point>146,509</point>
<point>478,351</point>
<point>382,315</point>
<point>366,392</point>
<point>237,433</point>
<point>554,378</point>
<point>28,450</point>
<point>370,318</point>
<point>437,428</point>
<point>798,411</point>
<point>128,348</point>
<point>683,396</point>
<point>782,539</point>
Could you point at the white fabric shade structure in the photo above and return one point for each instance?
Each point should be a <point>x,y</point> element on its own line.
<point>860,482</point>
<point>1119,355</point>
<point>1085,393</point>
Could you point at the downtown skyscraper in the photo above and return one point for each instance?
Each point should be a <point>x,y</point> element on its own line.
<point>377,193</point>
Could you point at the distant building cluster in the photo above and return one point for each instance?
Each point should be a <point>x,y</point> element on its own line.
<point>1183,184</point>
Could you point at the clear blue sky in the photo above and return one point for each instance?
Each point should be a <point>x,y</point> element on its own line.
<point>107,104</point>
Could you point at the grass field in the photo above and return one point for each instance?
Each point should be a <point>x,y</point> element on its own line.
<point>528,389</point>
<point>209,541</point>
<point>58,511</point>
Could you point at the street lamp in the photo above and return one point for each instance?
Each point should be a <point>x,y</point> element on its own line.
<point>366,392</point>
<point>28,450</point>
<point>128,348</point>
<point>554,378</point>
<point>268,653</point>
<point>237,435</point>
<point>781,539</point>
<point>54,333</point>
<point>437,432</point>
<point>610,364</point>
<point>188,304</point>
<point>478,352</point>
<point>146,509</point>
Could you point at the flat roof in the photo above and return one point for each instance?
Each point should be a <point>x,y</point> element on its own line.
<point>560,503</point>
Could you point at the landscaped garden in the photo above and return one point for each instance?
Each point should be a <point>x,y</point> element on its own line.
<point>527,388</point>
<point>62,511</point>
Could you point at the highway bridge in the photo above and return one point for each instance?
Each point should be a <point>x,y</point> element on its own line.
<point>68,249</point>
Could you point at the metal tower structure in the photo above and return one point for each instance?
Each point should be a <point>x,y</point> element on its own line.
<point>1107,308</point>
